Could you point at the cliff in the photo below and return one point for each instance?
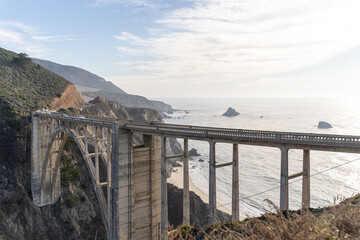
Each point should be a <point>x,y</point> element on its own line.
<point>69,98</point>
<point>104,108</point>
<point>128,100</point>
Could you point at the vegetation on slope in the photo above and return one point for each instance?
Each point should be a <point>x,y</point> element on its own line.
<point>338,222</point>
<point>25,85</point>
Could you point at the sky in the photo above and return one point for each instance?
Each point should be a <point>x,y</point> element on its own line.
<point>196,48</point>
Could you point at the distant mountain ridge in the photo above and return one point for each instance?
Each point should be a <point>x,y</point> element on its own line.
<point>105,89</point>
<point>79,76</point>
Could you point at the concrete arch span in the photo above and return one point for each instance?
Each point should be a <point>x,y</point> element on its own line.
<point>48,189</point>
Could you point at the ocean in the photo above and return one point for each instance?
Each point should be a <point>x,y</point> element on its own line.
<point>260,166</point>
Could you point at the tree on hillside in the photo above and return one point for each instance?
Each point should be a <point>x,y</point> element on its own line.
<point>22,60</point>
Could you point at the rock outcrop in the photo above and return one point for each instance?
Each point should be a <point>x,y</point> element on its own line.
<point>69,98</point>
<point>193,153</point>
<point>324,125</point>
<point>231,112</point>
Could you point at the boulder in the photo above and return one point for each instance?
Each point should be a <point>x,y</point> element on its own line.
<point>193,153</point>
<point>231,112</point>
<point>323,124</point>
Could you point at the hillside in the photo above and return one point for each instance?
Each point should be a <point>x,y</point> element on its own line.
<point>26,85</point>
<point>101,87</point>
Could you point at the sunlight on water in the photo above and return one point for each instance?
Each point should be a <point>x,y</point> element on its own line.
<point>260,166</point>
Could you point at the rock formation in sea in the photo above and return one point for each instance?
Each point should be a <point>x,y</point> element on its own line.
<point>323,124</point>
<point>231,112</point>
<point>193,153</point>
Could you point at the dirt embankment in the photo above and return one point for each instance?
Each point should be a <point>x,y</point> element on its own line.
<point>69,98</point>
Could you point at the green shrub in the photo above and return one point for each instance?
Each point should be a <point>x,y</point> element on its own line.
<point>70,200</point>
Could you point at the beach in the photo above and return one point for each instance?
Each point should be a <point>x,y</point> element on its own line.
<point>177,180</point>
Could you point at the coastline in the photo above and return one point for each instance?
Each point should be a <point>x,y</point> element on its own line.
<point>177,180</point>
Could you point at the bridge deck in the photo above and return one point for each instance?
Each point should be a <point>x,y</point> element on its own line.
<point>311,141</point>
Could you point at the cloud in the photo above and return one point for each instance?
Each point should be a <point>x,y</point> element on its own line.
<point>237,40</point>
<point>23,38</point>
<point>54,38</point>
<point>141,3</point>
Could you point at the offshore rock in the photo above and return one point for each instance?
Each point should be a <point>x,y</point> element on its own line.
<point>193,153</point>
<point>231,112</point>
<point>323,124</point>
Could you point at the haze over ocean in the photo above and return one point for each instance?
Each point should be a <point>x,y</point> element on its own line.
<point>260,166</point>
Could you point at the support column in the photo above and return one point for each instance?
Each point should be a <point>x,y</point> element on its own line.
<point>164,203</point>
<point>284,180</point>
<point>36,163</point>
<point>85,140</point>
<point>186,196</point>
<point>306,179</point>
<point>235,184</point>
<point>108,161</point>
<point>120,197</point>
<point>212,184</point>
<point>97,168</point>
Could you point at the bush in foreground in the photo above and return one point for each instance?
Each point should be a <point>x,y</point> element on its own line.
<point>338,222</point>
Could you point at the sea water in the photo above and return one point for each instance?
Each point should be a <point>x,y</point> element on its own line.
<point>260,166</point>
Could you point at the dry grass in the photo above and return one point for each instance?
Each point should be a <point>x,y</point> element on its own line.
<point>338,222</point>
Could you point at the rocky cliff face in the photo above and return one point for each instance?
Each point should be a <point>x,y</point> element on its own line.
<point>102,107</point>
<point>69,98</point>
<point>128,100</point>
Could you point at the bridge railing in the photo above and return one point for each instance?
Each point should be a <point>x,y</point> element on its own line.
<point>218,133</point>
<point>253,135</point>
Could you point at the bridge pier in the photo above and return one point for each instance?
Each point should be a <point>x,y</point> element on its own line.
<point>164,201</point>
<point>306,179</point>
<point>136,193</point>
<point>284,179</point>
<point>212,183</point>
<point>120,204</point>
<point>186,196</point>
<point>235,212</point>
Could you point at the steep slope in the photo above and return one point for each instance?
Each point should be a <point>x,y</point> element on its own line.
<point>26,85</point>
<point>106,89</point>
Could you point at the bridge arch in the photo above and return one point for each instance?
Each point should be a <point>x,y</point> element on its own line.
<point>53,142</point>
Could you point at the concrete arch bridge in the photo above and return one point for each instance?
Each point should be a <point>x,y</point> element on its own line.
<point>132,195</point>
